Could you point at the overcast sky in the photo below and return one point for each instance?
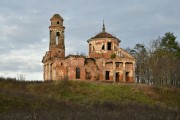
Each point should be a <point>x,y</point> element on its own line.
<point>24,33</point>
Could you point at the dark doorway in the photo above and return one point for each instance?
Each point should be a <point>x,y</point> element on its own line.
<point>127,76</point>
<point>77,73</point>
<point>107,75</point>
<point>109,45</point>
<point>117,76</point>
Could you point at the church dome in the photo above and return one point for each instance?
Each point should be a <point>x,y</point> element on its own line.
<point>57,16</point>
<point>104,35</point>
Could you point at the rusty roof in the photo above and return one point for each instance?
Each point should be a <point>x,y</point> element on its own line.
<point>57,16</point>
<point>104,35</point>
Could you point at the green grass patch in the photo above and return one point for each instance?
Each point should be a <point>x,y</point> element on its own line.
<point>17,93</point>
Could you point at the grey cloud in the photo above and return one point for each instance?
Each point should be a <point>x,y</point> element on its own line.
<point>24,27</point>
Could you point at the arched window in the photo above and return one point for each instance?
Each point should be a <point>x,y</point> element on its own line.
<point>109,45</point>
<point>77,73</point>
<point>57,37</point>
<point>103,47</point>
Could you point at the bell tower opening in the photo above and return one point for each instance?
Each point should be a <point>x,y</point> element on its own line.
<point>56,29</point>
<point>57,38</point>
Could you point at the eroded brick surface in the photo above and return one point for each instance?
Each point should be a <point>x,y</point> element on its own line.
<point>106,61</point>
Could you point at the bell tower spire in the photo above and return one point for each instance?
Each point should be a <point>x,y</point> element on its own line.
<point>56,29</point>
<point>103,29</point>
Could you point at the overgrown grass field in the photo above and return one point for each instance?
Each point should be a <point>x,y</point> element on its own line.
<point>74,100</point>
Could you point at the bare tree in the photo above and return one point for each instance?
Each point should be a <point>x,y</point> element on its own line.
<point>159,63</point>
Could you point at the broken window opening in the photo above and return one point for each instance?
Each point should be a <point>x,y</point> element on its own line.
<point>122,55</point>
<point>103,47</point>
<point>117,64</point>
<point>119,54</point>
<point>93,48</point>
<point>109,45</point>
<point>50,34</point>
<point>77,73</point>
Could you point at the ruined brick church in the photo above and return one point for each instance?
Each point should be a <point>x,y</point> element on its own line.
<point>106,61</point>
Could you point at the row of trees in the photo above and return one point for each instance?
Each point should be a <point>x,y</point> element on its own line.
<point>159,62</point>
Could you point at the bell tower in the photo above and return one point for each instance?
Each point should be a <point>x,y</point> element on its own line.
<point>56,29</point>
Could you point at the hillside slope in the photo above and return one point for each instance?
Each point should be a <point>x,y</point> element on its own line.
<point>86,100</point>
